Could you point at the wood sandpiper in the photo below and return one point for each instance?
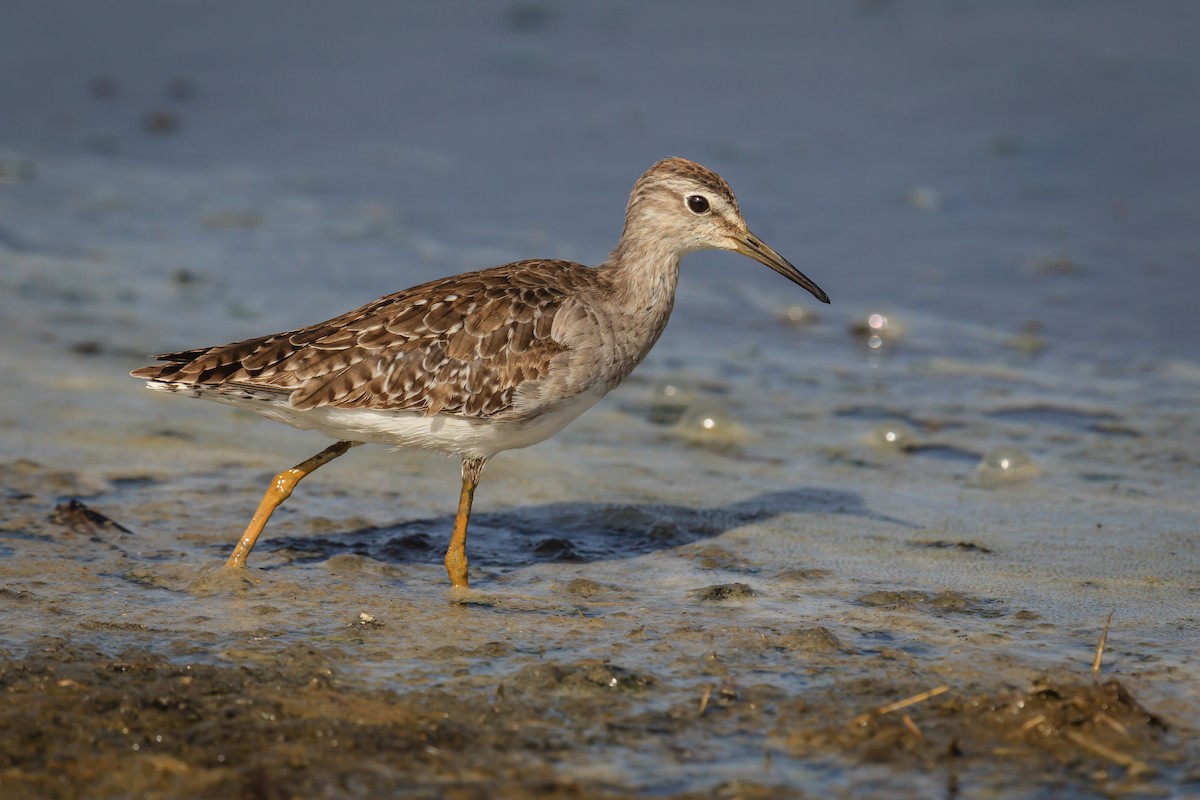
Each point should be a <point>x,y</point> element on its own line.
<point>481,362</point>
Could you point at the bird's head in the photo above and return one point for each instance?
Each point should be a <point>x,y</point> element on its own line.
<point>693,208</point>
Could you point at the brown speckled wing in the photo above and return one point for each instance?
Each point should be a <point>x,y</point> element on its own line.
<point>461,345</point>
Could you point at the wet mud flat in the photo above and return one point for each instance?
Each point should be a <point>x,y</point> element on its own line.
<point>880,581</point>
<point>80,722</point>
<point>135,668</point>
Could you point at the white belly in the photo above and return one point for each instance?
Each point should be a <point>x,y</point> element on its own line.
<point>463,436</point>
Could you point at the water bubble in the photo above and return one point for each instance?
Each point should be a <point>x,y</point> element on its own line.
<point>710,424</point>
<point>878,329</point>
<point>799,316</point>
<point>1007,465</point>
<point>893,436</point>
<point>669,400</point>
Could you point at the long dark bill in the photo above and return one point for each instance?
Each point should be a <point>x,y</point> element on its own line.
<point>750,245</point>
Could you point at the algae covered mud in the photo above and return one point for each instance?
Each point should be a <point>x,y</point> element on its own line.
<point>867,550</point>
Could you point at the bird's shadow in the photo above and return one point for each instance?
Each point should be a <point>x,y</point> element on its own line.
<point>570,532</point>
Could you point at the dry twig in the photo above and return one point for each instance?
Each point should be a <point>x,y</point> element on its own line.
<point>899,704</point>
<point>1033,722</point>
<point>913,729</point>
<point>1100,647</point>
<point>1130,763</point>
<point>1105,719</point>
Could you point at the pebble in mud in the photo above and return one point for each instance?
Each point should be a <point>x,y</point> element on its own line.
<point>582,587</point>
<point>587,675</point>
<point>1007,465</point>
<point>892,599</point>
<point>943,602</point>
<point>713,556</point>
<point>800,574</point>
<point>77,517</point>
<point>723,591</point>
<point>812,640</point>
<point>556,548</point>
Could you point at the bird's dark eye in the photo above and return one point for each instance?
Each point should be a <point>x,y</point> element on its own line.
<point>698,204</point>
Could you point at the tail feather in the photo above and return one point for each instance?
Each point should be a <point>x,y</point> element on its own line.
<point>208,366</point>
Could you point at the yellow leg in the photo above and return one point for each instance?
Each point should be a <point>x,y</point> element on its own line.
<point>279,490</point>
<point>456,553</point>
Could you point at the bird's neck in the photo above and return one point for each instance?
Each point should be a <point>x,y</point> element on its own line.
<point>642,277</point>
<point>644,274</point>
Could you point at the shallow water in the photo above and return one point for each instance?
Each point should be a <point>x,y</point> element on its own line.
<point>696,595</point>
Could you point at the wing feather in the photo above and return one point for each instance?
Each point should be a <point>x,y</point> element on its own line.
<point>462,345</point>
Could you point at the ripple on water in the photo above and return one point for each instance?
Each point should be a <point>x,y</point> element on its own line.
<point>1061,416</point>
